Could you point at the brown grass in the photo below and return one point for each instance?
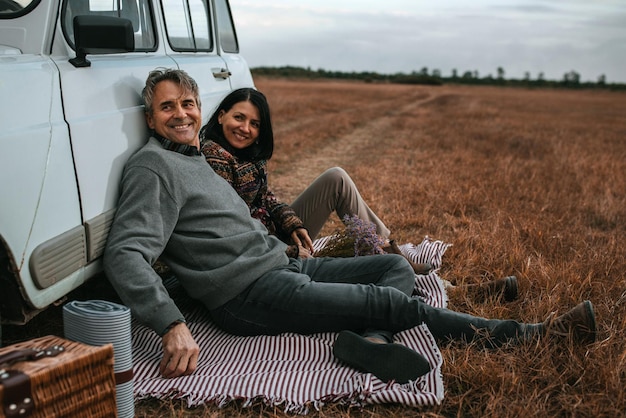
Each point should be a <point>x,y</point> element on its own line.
<point>524,182</point>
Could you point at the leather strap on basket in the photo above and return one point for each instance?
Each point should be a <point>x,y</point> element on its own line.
<point>17,399</point>
<point>29,354</point>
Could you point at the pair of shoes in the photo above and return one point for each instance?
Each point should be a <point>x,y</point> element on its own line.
<point>579,323</point>
<point>505,287</point>
<point>418,268</point>
<point>387,361</point>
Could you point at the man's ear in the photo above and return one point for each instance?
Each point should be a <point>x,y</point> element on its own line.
<point>149,120</point>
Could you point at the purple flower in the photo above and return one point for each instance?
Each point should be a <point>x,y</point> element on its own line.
<point>357,238</point>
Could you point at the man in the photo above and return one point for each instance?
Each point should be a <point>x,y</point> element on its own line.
<point>172,205</point>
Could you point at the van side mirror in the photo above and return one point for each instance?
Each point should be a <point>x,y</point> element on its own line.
<point>101,35</point>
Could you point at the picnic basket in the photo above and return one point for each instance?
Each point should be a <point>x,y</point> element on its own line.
<point>54,377</point>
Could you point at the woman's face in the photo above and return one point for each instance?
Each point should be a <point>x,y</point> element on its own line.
<point>241,124</point>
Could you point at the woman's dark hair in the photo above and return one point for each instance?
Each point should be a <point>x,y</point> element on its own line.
<point>263,148</point>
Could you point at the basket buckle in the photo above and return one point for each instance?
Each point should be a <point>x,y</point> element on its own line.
<point>18,401</point>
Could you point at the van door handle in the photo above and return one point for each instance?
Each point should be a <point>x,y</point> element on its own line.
<point>221,73</point>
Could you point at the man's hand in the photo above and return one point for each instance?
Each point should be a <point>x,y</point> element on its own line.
<point>180,352</point>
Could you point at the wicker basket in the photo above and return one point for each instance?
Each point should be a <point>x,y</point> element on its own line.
<point>53,377</point>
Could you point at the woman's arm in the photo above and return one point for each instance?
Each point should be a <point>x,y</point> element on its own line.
<point>249,179</point>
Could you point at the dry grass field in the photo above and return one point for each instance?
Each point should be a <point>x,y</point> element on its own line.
<point>524,182</point>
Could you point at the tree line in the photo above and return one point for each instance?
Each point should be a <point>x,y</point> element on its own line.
<point>571,79</point>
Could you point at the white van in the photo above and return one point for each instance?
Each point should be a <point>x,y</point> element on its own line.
<point>71,73</point>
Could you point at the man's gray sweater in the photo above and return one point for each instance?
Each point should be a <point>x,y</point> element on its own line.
<point>175,206</point>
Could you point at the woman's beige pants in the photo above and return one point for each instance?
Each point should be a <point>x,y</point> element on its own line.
<point>333,191</point>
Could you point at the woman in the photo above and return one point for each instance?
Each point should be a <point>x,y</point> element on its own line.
<point>238,141</point>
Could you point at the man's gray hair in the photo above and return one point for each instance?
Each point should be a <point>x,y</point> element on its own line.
<point>179,77</point>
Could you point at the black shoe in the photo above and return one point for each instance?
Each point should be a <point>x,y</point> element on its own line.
<point>385,361</point>
<point>502,288</point>
<point>579,323</point>
<point>510,288</point>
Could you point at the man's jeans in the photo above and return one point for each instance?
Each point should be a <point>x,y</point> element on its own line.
<point>370,295</point>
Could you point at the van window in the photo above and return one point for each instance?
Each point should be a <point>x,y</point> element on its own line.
<point>10,9</point>
<point>187,25</point>
<point>138,12</point>
<point>228,37</point>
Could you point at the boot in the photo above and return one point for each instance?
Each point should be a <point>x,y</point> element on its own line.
<point>418,268</point>
<point>387,361</point>
<point>506,288</point>
<point>579,323</point>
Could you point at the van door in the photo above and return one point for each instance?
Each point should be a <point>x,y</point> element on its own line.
<point>102,103</point>
<point>39,190</point>
<point>228,47</point>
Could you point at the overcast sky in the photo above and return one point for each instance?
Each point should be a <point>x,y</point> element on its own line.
<point>551,37</point>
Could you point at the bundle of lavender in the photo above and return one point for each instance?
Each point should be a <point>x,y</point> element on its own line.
<point>357,238</point>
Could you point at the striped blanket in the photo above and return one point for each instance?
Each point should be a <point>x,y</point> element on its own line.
<point>297,372</point>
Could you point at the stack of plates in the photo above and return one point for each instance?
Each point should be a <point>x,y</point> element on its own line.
<point>99,322</point>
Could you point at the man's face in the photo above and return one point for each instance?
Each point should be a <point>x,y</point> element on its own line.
<point>175,114</point>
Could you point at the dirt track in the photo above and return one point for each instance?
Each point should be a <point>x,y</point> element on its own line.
<point>369,120</point>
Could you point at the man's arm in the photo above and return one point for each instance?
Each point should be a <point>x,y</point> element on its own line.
<point>145,219</point>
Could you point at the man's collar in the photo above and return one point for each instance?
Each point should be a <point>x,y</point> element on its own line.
<point>189,150</point>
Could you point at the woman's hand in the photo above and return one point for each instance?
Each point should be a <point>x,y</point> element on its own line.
<point>303,252</point>
<point>301,238</point>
